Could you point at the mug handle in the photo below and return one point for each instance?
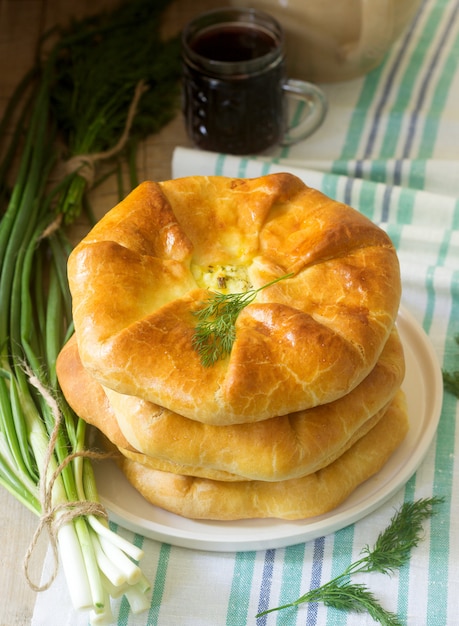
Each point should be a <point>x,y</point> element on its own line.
<point>310,112</point>
<point>375,34</point>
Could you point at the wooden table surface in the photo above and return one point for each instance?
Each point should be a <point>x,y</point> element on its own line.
<point>21,24</point>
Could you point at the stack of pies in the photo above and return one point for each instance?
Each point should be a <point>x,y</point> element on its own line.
<point>307,404</point>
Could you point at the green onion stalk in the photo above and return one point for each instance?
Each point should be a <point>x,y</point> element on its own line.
<point>64,109</point>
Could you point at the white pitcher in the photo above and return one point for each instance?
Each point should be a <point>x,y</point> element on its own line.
<point>336,40</point>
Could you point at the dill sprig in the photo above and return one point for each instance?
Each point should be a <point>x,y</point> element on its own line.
<point>356,598</point>
<point>451,379</point>
<point>390,551</point>
<point>94,69</point>
<point>215,331</point>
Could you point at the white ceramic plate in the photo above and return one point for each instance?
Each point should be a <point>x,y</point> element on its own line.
<point>423,386</point>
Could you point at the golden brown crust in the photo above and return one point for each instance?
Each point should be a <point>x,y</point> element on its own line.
<point>307,340</point>
<point>86,397</point>
<point>101,441</point>
<point>165,465</point>
<point>275,449</point>
<point>297,498</point>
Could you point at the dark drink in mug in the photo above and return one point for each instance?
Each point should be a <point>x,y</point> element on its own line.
<point>234,83</point>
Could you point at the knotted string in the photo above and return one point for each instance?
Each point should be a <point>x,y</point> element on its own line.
<point>53,517</point>
<point>84,164</point>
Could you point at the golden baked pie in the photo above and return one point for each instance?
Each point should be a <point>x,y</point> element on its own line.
<point>140,274</point>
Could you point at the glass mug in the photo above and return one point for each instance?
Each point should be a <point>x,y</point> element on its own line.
<point>235,91</point>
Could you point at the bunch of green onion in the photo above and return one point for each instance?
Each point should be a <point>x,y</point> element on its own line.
<point>42,442</point>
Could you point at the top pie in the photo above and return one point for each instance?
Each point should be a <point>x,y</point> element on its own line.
<point>309,339</point>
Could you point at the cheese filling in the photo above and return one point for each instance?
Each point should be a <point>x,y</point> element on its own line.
<point>222,278</point>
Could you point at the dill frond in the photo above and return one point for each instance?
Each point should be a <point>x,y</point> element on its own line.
<point>215,331</point>
<point>393,546</point>
<point>451,379</point>
<point>391,550</point>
